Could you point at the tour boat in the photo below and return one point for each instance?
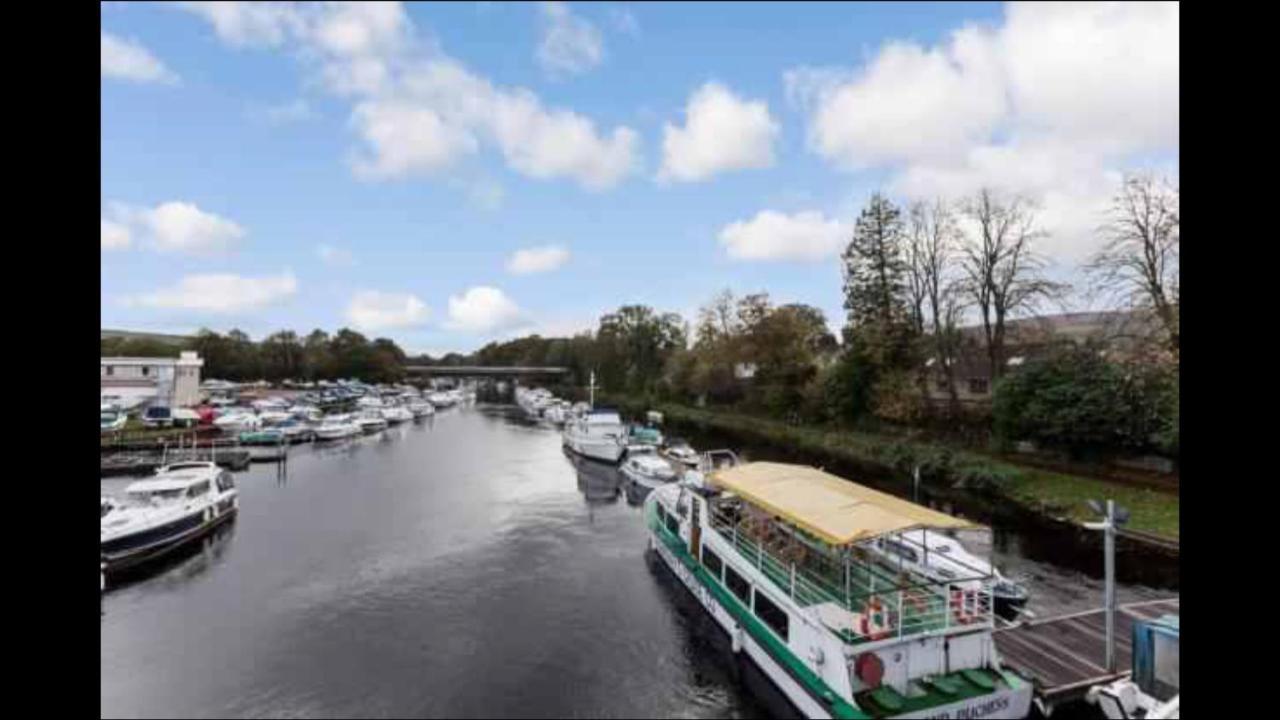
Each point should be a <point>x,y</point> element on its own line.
<point>112,419</point>
<point>944,558</point>
<point>680,451</point>
<point>599,434</point>
<point>781,557</point>
<point>336,427</point>
<point>370,420</point>
<point>648,469</point>
<point>181,503</point>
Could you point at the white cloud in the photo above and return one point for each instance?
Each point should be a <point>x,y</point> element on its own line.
<point>129,60</point>
<point>483,309</point>
<point>570,43</point>
<point>373,310</point>
<point>910,103</point>
<point>221,293</point>
<point>115,236</point>
<point>173,226</point>
<point>249,24</point>
<point>1053,103</point>
<point>537,260</point>
<point>418,112</point>
<point>806,236</point>
<point>721,133</point>
<point>184,227</point>
<point>334,256</point>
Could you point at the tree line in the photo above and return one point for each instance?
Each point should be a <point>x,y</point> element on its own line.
<point>283,355</point>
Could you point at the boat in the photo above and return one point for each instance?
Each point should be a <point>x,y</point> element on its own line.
<point>296,431</point>
<point>238,422</point>
<point>643,437</point>
<point>370,421</point>
<point>264,436</point>
<point>943,558</point>
<point>396,414</point>
<point>336,427</point>
<point>679,451</point>
<point>556,413</point>
<point>366,402</point>
<point>648,469</point>
<point>421,408</point>
<point>112,419</point>
<point>306,412</point>
<point>1153,688</point>
<point>180,503</point>
<point>599,434</point>
<point>779,556</point>
<point>274,417</point>
<point>441,399</point>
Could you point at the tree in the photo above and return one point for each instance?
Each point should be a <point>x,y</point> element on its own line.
<point>316,359</point>
<point>281,355</point>
<point>1139,263</point>
<point>635,343</point>
<point>1004,275</point>
<point>935,288</point>
<point>875,282</point>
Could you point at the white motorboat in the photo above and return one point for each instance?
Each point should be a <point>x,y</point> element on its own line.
<point>648,469</point>
<point>237,422</point>
<point>274,417</point>
<point>421,408</point>
<point>942,558</point>
<point>112,418</point>
<point>270,403</point>
<point>441,399</point>
<point>370,420</point>
<point>369,401</point>
<point>599,434</point>
<point>336,427</point>
<point>680,451</point>
<point>396,414</point>
<point>181,503</point>
<point>306,412</point>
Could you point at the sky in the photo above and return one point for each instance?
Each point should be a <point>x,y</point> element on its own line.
<point>448,174</point>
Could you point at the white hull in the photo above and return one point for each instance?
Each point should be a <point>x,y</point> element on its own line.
<point>606,450</point>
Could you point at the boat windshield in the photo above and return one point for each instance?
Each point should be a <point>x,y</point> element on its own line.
<point>144,498</point>
<point>108,417</point>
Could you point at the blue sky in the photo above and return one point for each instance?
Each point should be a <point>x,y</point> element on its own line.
<point>275,166</point>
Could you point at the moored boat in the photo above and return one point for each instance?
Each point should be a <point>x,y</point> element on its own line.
<point>370,420</point>
<point>599,434</point>
<point>336,427</point>
<point>181,503</point>
<point>679,451</point>
<point>780,556</point>
<point>648,469</point>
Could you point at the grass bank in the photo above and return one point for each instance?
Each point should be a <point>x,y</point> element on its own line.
<point>1055,494</point>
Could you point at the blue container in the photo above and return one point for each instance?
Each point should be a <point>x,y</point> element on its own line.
<point>1155,656</point>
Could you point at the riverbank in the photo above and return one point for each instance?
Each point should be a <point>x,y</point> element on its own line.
<point>1056,495</point>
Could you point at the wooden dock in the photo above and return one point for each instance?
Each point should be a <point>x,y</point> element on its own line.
<point>1065,656</point>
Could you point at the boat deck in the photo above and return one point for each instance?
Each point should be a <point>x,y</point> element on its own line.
<point>1064,656</point>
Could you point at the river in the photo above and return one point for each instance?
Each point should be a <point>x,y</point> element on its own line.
<point>460,566</point>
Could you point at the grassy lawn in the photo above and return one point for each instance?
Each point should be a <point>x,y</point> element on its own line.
<point>1052,493</point>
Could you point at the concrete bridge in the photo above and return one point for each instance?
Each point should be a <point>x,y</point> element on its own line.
<point>513,371</point>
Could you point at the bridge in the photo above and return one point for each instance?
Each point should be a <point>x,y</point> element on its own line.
<point>513,371</point>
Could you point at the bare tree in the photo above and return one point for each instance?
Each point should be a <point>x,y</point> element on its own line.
<point>931,253</point>
<point>1139,264</point>
<point>1004,275</point>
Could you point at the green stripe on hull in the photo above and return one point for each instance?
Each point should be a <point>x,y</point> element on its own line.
<point>815,685</point>
<point>963,688</point>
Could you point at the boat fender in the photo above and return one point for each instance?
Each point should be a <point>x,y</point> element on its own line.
<point>737,638</point>
<point>816,654</point>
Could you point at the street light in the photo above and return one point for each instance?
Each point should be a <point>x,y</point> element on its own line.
<point>1113,516</point>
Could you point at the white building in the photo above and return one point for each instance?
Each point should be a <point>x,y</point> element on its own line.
<point>169,382</point>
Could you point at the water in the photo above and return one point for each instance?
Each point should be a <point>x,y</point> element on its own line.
<point>464,566</point>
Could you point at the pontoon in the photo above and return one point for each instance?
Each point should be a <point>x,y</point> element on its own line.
<point>782,558</point>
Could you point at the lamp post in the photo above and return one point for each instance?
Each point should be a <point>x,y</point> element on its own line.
<point>1113,516</point>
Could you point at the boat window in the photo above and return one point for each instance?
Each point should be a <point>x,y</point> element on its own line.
<point>198,489</point>
<point>772,615</point>
<point>737,584</point>
<point>942,549</point>
<point>106,508</point>
<point>673,524</point>
<point>901,550</point>
<point>712,562</point>
<point>225,481</point>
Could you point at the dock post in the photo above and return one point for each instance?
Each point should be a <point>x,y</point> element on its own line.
<point>1109,535</point>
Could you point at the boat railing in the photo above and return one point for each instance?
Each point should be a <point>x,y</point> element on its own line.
<point>861,601</point>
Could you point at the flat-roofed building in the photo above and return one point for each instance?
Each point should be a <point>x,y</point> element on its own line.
<point>169,382</point>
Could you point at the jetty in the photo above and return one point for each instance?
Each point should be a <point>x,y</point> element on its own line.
<point>1065,655</point>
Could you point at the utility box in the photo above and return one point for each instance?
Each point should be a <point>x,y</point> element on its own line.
<point>1155,656</point>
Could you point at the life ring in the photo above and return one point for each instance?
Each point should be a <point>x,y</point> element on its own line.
<point>870,669</point>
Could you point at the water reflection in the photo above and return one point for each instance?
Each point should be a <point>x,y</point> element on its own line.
<point>176,569</point>
<point>599,483</point>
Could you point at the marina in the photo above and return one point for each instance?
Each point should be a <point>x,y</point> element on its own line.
<point>411,544</point>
